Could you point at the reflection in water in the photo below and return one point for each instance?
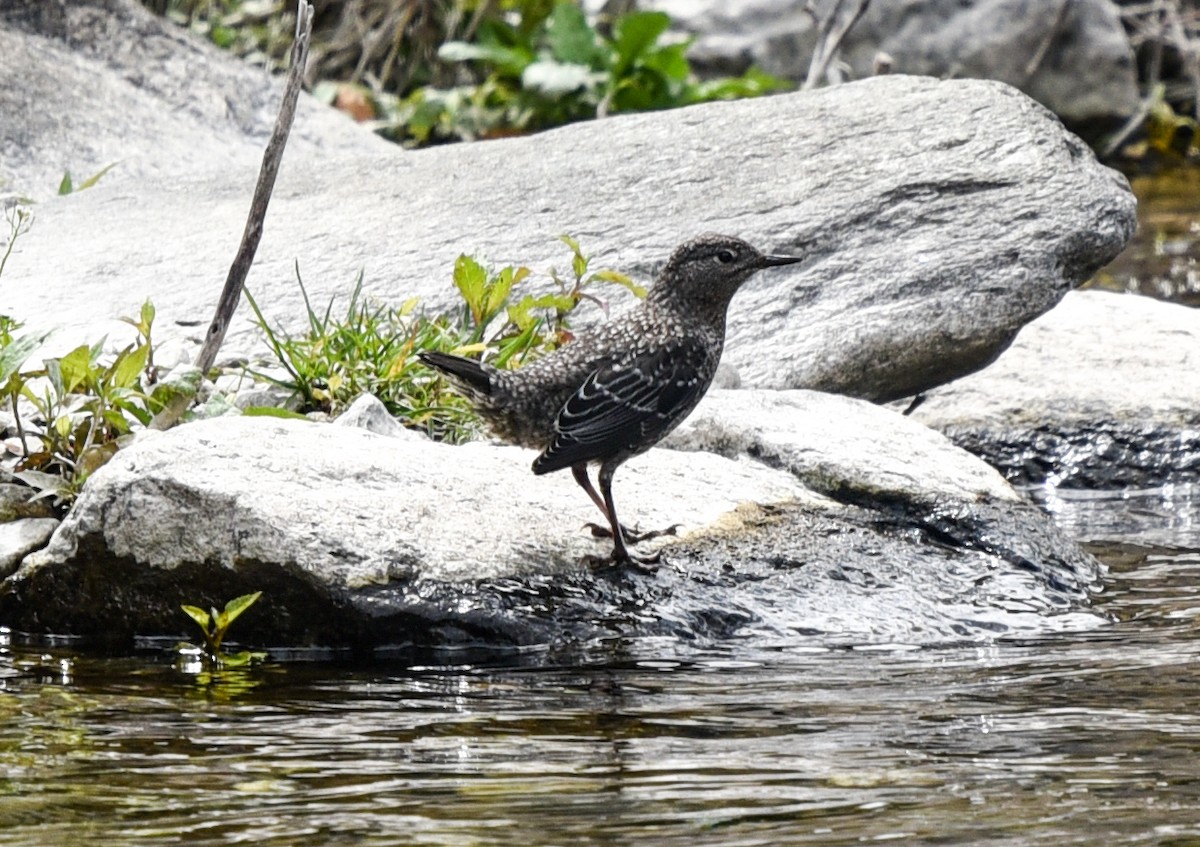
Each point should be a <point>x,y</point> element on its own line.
<point>1160,261</point>
<point>1072,738</point>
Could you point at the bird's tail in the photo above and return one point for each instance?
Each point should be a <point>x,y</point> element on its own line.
<point>468,372</point>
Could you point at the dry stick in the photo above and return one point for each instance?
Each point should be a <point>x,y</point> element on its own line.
<point>231,295</point>
<point>1153,75</point>
<point>1039,55</point>
<point>829,39</point>
<point>1189,51</point>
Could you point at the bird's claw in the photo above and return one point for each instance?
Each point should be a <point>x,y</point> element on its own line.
<point>645,564</point>
<point>632,537</point>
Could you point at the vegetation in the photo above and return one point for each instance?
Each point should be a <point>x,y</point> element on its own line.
<point>215,626</point>
<point>555,70</point>
<point>373,347</point>
<point>74,412</point>
<point>438,72</point>
<point>67,184</point>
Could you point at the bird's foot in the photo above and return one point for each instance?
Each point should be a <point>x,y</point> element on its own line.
<point>632,537</point>
<point>645,564</point>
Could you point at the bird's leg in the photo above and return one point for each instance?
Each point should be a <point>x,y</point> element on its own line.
<point>621,554</point>
<point>580,473</point>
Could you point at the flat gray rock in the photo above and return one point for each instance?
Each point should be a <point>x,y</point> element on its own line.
<point>374,543</point>
<point>1101,392</point>
<point>939,217</point>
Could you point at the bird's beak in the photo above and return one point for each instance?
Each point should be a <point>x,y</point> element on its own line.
<point>774,261</point>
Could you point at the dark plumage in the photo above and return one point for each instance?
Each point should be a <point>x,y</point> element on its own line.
<point>617,391</point>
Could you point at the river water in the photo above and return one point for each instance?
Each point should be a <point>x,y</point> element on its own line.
<point>1085,737</point>
<point>1072,738</point>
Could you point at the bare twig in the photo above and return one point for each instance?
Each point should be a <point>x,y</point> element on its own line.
<point>1129,127</point>
<point>1039,55</point>
<point>231,295</point>
<point>1189,50</point>
<point>831,29</point>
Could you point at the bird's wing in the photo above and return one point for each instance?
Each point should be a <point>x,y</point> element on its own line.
<point>627,405</point>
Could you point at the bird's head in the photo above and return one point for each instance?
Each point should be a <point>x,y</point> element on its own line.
<point>708,270</point>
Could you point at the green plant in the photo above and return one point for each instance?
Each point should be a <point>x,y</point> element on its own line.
<point>19,220</point>
<point>259,31</point>
<point>465,69</point>
<point>68,186</point>
<point>83,405</point>
<point>215,625</point>
<point>372,349</point>
<point>553,67</point>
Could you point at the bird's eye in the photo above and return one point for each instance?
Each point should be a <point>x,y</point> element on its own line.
<point>725,257</point>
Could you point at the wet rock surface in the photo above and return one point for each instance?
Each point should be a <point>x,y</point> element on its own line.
<point>377,543</point>
<point>1099,393</point>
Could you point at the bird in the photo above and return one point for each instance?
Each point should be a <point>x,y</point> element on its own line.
<point>614,393</point>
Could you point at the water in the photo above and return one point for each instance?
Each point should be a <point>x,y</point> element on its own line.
<point>1073,738</point>
<point>1161,259</point>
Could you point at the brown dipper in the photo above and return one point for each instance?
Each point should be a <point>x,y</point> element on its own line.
<point>616,392</point>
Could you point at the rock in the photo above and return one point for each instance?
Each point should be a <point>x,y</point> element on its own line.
<point>929,250</point>
<point>20,537</point>
<point>368,412</point>
<point>18,501</point>
<point>428,546</point>
<point>1074,57</point>
<point>909,460</point>
<point>1098,393</point>
<point>105,82</point>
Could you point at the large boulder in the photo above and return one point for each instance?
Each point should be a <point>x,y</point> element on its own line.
<point>819,519</point>
<point>1073,56</point>
<point>93,83</point>
<point>939,217</point>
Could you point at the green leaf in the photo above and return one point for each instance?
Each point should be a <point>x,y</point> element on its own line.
<point>198,615</point>
<point>147,315</point>
<point>127,369</point>
<point>272,412</point>
<point>14,354</point>
<point>241,658</point>
<point>96,177</point>
<point>570,38</point>
<point>75,368</point>
<point>670,61</point>
<point>618,278</point>
<point>753,83</point>
<point>634,34</point>
<point>471,280</point>
<point>235,607</point>
<point>507,60</point>
<point>66,186</point>
<point>521,343</point>
<point>499,289</point>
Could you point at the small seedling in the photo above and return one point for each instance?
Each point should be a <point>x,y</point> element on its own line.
<point>19,220</point>
<point>215,626</point>
<point>67,184</point>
